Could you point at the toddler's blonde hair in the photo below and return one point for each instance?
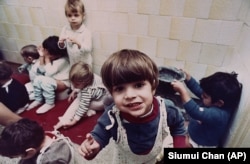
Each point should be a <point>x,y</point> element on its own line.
<point>81,72</point>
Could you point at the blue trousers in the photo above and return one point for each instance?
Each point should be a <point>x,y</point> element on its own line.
<point>44,89</point>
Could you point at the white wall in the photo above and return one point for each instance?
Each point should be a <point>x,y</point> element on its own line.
<point>240,132</point>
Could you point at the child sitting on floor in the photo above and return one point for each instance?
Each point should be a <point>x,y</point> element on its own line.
<point>54,74</point>
<point>137,120</point>
<point>88,94</point>
<point>13,94</point>
<point>27,139</point>
<point>31,57</point>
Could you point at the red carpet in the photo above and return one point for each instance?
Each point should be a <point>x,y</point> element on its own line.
<point>76,133</point>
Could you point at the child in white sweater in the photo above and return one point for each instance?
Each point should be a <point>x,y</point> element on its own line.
<point>54,71</point>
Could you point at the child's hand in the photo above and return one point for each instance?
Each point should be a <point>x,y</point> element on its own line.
<point>40,50</point>
<point>89,148</point>
<point>72,95</point>
<point>188,76</point>
<point>62,40</point>
<point>180,87</point>
<point>62,43</point>
<point>65,124</point>
<point>58,125</point>
<point>74,41</point>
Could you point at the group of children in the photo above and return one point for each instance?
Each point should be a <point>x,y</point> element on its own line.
<point>64,63</point>
<point>134,117</point>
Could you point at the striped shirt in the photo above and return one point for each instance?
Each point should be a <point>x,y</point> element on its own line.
<point>94,91</point>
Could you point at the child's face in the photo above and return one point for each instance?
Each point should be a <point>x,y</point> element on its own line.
<point>79,84</point>
<point>134,98</point>
<point>206,99</point>
<point>75,19</point>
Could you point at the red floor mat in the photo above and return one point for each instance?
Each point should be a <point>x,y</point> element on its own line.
<point>76,133</point>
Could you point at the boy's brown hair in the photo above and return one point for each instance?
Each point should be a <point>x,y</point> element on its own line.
<point>127,66</point>
<point>30,51</point>
<point>19,136</point>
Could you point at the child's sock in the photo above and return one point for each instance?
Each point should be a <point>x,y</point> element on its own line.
<point>21,110</point>
<point>91,112</point>
<point>45,108</point>
<point>33,105</point>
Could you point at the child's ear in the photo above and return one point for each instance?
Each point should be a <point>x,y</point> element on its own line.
<point>219,103</point>
<point>30,58</point>
<point>30,152</point>
<point>83,17</point>
<point>154,91</point>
